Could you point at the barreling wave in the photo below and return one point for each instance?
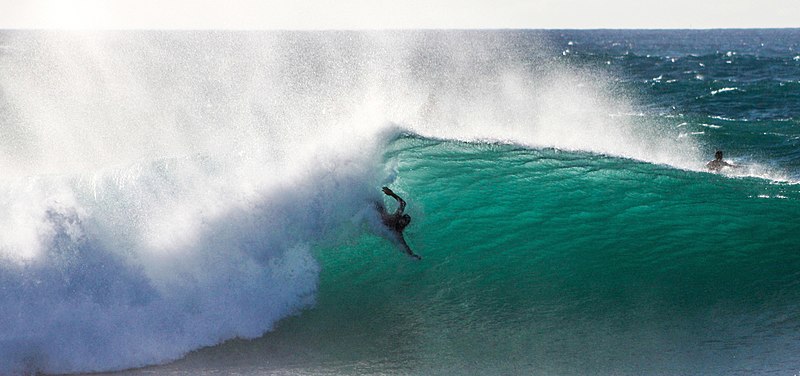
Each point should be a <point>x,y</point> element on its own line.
<point>540,260</point>
<point>162,192</point>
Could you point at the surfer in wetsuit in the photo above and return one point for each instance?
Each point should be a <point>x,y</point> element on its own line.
<point>396,221</point>
<point>717,164</point>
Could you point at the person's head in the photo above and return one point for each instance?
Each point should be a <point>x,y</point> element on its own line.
<point>718,154</point>
<point>404,220</point>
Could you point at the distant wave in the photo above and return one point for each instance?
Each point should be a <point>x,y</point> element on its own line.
<point>724,90</point>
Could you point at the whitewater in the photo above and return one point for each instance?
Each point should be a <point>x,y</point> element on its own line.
<point>203,202</point>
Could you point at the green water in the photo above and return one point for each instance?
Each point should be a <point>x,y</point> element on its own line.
<point>168,191</point>
<point>544,261</point>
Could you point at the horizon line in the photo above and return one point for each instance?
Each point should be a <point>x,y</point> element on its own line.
<point>399,29</point>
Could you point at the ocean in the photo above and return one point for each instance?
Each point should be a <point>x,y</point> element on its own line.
<point>202,202</point>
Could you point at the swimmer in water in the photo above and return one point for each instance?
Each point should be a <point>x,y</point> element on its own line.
<point>717,164</point>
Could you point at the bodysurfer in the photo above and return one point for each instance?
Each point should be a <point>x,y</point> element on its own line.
<point>718,163</point>
<point>397,221</point>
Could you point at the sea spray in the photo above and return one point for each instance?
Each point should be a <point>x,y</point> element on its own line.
<point>163,191</point>
<point>556,261</point>
<point>149,211</point>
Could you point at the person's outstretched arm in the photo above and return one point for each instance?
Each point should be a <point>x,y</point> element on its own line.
<point>400,201</point>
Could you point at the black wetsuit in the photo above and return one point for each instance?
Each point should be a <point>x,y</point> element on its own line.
<point>397,221</point>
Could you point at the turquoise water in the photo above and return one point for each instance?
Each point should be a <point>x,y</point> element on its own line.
<point>539,261</point>
<point>216,216</point>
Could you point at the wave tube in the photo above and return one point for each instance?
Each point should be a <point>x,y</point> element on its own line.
<point>163,191</point>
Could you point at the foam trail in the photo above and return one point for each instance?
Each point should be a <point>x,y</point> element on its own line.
<point>164,191</point>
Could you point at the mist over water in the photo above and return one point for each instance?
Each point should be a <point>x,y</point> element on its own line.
<point>161,193</point>
<point>166,191</point>
<point>102,99</point>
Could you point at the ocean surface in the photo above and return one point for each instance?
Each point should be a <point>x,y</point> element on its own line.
<point>202,203</point>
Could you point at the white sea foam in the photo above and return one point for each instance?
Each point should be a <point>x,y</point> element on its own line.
<point>724,90</point>
<point>168,218</point>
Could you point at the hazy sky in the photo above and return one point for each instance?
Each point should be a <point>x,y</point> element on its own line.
<point>386,14</point>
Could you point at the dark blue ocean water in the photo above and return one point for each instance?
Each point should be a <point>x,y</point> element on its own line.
<point>201,202</point>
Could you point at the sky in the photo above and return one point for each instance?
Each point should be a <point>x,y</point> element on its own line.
<point>386,14</point>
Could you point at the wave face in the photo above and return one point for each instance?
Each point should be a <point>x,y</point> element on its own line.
<point>552,262</point>
<point>168,191</point>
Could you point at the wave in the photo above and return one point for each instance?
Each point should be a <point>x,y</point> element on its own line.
<point>544,259</point>
<point>723,90</point>
<point>163,191</point>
